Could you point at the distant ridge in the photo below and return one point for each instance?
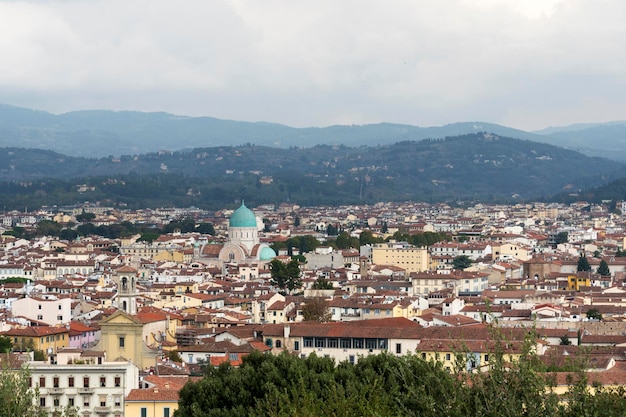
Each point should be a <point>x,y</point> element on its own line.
<point>97,133</point>
<point>474,167</point>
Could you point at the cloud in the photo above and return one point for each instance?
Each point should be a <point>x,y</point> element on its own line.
<point>526,63</point>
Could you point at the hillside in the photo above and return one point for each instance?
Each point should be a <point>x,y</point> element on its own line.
<point>477,167</point>
<point>99,133</point>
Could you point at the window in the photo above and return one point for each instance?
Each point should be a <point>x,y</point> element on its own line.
<point>447,356</point>
<point>55,382</point>
<point>42,381</point>
<point>346,343</point>
<point>42,401</point>
<point>86,382</point>
<point>166,412</point>
<point>86,401</point>
<point>103,381</point>
<point>117,381</point>
<point>486,358</point>
<point>233,356</point>
<point>60,318</point>
<point>70,401</point>
<point>118,401</point>
<point>103,401</point>
<point>144,412</point>
<point>279,344</point>
<point>320,342</point>
<point>39,307</point>
<point>308,342</point>
<point>351,358</point>
<point>269,342</point>
<point>122,341</point>
<point>398,348</point>
<point>59,306</point>
<point>56,402</point>
<point>296,345</point>
<point>70,381</point>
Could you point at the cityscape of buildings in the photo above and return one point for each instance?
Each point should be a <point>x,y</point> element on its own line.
<point>122,324</point>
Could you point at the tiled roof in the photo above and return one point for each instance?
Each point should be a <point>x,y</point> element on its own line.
<point>152,394</point>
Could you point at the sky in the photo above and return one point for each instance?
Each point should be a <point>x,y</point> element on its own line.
<point>527,64</point>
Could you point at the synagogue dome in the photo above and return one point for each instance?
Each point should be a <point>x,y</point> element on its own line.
<point>242,217</point>
<point>267,254</point>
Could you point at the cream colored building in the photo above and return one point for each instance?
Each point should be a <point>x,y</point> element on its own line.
<point>401,254</point>
<point>93,388</point>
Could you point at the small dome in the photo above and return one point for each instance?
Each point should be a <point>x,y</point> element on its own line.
<point>243,217</point>
<point>267,253</point>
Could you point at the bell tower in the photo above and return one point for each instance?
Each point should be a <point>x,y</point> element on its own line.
<point>126,280</point>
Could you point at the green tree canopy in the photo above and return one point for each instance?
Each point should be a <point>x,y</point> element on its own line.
<point>316,309</point>
<point>594,314</point>
<point>603,268</point>
<point>285,276</point>
<point>461,262</point>
<point>5,344</point>
<point>85,217</point>
<point>583,264</point>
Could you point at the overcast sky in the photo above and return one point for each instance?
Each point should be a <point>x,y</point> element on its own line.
<point>528,64</point>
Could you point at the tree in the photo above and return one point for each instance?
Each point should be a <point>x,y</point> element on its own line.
<point>564,341</point>
<point>322,284</point>
<point>48,228</point>
<point>285,276</point>
<point>461,262</point>
<point>174,356</point>
<point>583,264</point>
<point>367,237</point>
<point>603,268</point>
<point>149,237</point>
<point>316,309</point>
<point>16,395</point>
<point>594,314</point>
<point>561,237</point>
<point>85,217</point>
<point>206,229</point>
<point>5,344</point>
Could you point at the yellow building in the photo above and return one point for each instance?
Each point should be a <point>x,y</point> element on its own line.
<point>47,339</point>
<point>149,402</point>
<point>575,282</point>
<point>401,254</point>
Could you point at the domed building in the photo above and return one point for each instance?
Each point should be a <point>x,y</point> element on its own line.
<point>243,240</point>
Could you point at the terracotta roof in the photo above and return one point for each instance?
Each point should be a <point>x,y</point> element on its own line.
<point>152,394</point>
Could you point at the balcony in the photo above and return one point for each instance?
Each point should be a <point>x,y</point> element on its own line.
<point>55,391</point>
<point>102,410</point>
<point>85,390</point>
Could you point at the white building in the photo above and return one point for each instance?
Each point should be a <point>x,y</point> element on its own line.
<point>47,308</point>
<point>94,388</point>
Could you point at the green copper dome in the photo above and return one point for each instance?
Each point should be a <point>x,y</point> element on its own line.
<point>243,217</point>
<point>266,254</point>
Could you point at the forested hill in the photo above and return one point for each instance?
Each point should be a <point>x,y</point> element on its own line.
<point>99,133</point>
<point>478,167</point>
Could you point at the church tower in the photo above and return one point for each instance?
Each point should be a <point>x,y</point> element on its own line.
<point>126,280</point>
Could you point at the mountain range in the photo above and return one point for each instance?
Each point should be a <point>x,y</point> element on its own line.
<point>99,133</point>
<point>472,167</point>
